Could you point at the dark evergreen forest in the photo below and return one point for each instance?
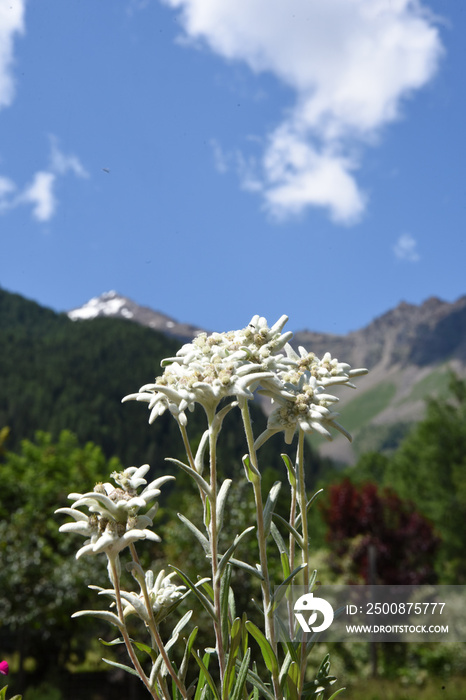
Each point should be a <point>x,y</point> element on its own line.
<point>57,374</point>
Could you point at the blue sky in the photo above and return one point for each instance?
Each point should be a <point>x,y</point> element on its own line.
<point>215,160</point>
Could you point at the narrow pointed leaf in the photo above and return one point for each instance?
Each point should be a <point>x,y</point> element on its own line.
<point>202,539</point>
<point>284,669</point>
<point>183,622</point>
<point>231,604</point>
<point>256,681</point>
<point>290,529</point>
<point>247,567</point>
<point>227,556</point>
<point>244,635</point>
<point>293,672</point>
<point>221,501</point>
<point>201,482</point>
<point>294,650</point>
<point>122,666</point>
<point>280,591</point>
<point>204,601</point>
<point>252,473</point>
<point>159,666</point>
<point>291,470</point>
<point>207,514</point>
<point>292,690</point>
<point>208,588</point>
<point>279,541</point>
<point>309,504</point>
<point>187,654</point>
<point>241,677</point>
<point>230,671</point>
<point>139,645</point>
<point>270,505</point>
<point>267,652</point>
<point>145,647</point>
<point>285,564</point>
<point>224,591</point>
<point>159,663</point>
<point>199,458</point>
<point>282,548</point>
<point>334,695</point>
<point>119,640</point>
<point>103,615</point>
<point>207,676</point>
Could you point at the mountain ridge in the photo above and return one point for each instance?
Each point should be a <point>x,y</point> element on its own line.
<point>408,334</point>
<point>409,351</point>
<point>114,305</point>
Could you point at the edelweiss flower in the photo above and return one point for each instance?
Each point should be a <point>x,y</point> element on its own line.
<point>300,394</point>
<point>305,406</point>
<point>327,370</point>
<point>215,366</point>
<point>163,595</point>
<point>113,521</point>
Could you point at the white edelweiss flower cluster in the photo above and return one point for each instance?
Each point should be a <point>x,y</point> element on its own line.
<point>215,366</point>
<point>236,363</point>
<point>163,595</point>
<point>113,520</point>
<point>303,402</point>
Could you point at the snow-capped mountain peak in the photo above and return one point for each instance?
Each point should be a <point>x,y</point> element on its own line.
<point>108,304</point>
<point>114,305</point>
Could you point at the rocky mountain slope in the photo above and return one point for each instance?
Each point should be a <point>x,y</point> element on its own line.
<point>409,351</point>
<point>113,305</point>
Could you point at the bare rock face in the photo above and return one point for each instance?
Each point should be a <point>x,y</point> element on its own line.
<point>409,352</point>
<point>409,334</point>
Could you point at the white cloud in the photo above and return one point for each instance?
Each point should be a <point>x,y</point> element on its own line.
<point>220,157</point>
<point>6,187</point>
<point>41,192</point>
<point>350,64</point>
<point>406,248</point>
<point>11,23</point>
<point>61,163</point>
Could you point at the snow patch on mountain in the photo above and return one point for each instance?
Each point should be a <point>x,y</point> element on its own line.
<point>114,305</point>
<point>108,304</point>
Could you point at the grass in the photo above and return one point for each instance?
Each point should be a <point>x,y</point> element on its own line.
<point>436,383</point>
<point>365,407</point>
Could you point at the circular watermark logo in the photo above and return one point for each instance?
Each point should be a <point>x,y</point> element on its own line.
<point>308,603</point>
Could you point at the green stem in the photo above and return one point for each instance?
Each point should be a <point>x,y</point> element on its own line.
<point>132,655</point>
<point>213,534</point>
<point>305,533</point>
<point>187,445</point>
<point>261,539</point>
<point>303,505</point>
<point>189,454</point>
<point>292,541</point>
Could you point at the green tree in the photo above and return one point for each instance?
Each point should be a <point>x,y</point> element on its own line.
<point>41,584</point>
<point>429,468</point>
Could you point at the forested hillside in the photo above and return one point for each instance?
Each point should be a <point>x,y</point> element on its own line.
<point>58,374</point>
